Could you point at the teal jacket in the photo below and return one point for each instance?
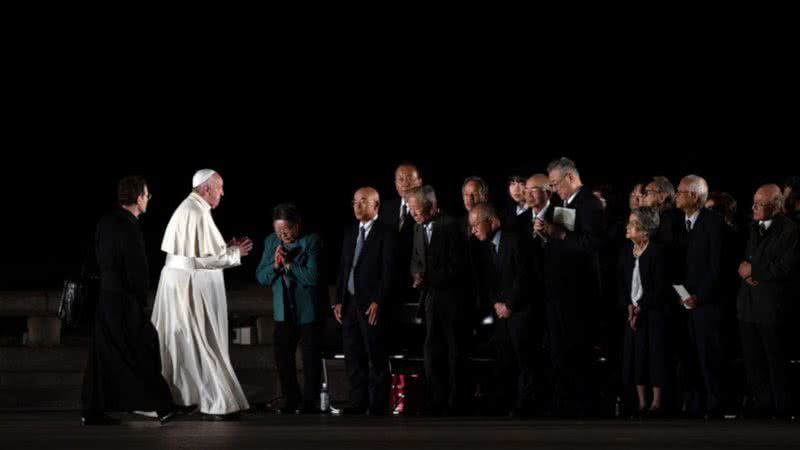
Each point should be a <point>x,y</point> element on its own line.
<point>303,275</point>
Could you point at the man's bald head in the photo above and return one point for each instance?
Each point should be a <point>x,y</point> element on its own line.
<point>366,202</point>
<point>767,202</point>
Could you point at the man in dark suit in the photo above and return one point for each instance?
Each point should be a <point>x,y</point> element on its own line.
<point>396,214</point>
<point>698,244</point>
<point>537,197</point>
<point>474,191</point>
<point>769,277</point>
<point>364,286</point>
<point>572,279</point>
<point>440,266</point>
<point>505,274</point>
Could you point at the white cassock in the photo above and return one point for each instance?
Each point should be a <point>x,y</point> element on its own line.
<point>191,312</point>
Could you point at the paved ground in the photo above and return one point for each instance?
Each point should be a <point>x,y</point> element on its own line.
<point>61,430</point>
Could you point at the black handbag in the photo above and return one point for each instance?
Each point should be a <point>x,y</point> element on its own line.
<point>79,296</point>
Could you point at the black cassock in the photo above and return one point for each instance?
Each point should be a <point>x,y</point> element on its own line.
<point>123,372</point>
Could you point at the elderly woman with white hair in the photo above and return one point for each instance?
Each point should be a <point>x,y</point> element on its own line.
<point>643,294</point>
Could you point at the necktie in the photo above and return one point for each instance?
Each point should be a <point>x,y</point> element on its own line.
<point>351,285</point>
<point>403,212</point>
<point>688,225</point>
<point>762,228</point>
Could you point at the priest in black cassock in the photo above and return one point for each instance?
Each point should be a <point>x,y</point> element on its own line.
<point>123,372</point>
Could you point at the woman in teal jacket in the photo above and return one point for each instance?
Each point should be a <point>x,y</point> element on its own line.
<point>290,266</point>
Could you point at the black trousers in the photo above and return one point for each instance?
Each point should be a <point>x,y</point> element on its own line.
<point>444,352</point>
<point>766,362</point>
<point>366,358</point>
<point>286,336</point>
<point>570,353</point>
<point>706,343</point>
<point>515,351</point>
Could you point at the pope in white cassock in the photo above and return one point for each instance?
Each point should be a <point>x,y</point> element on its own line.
<point>190,310</point>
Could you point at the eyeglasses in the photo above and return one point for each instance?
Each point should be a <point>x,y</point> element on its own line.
<point>651,191</point>
<point>757,205</point>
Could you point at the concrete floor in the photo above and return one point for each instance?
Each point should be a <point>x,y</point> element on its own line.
<point>61,430</point>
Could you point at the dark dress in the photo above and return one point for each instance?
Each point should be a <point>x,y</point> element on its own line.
<point>123,372</point>
<point>644,350</point>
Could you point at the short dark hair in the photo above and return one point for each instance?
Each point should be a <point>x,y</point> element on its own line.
<point>129,189</point>
<point>287,212</point>
<point>516,178</point>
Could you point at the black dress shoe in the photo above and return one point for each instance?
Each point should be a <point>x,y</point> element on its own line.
<point>656,413</point>
<point>310,410</point>
<point>432,412</point>
<point>287,410</point>
<point>99,419</point>
<point>639,414</point>
<point>222,417</point>
<point>167,417</point>
<point>187,410</point>
<point>522,413</point>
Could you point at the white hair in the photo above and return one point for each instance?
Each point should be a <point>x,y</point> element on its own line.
<point>697,185</point>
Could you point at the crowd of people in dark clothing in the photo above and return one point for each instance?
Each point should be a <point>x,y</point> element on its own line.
<point>678,301</point>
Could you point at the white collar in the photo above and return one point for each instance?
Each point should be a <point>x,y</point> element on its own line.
<point>368,226</point>
<point>693,218</point>
<point>496,239</point>
<point>572,197</point>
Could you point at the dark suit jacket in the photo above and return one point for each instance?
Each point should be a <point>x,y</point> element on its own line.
<point>653,271</point>
<point>445,261</point>
<point>390,215</point>
<point>775,258</point>
<point>520,223</point>
<point>374,271</point>
<point>572,266</point>
<point>508,275</point>
<point>701,256</point>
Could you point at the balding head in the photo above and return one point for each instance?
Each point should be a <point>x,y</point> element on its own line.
<point>366,202</point>
<point>537,191</point>
<point>767,202</point>
<point>483,221</point>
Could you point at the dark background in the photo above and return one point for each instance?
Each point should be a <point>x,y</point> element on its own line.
<point>311,122</point>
